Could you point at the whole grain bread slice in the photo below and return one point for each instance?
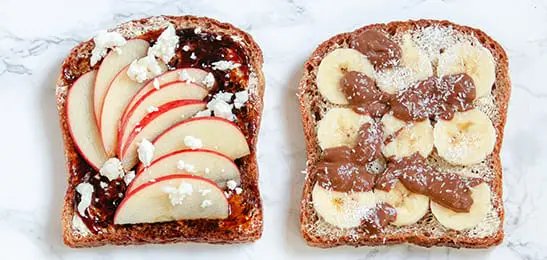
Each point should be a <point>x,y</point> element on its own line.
<point>205,231</point>
<point>427,232</point>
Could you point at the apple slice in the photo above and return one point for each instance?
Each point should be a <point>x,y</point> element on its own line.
<point>155,123</point>
<point>118,95</point>
<point>197,75</point>
<point>206,163</point>
<point>212,133</point>
<point>173,197</point>
<point>177,90</point>
<point>112,63</point>
<point>81,121</point>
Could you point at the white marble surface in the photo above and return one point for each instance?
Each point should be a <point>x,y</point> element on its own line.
<point>35,36</point>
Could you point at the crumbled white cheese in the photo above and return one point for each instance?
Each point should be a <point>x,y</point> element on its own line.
<point>237,38</point>
<point>185,48</point>
<point>192,142</point>
<point>181,165</point>
<point>165,46</point>
<point>112,169</point>
<point>146,152</point>
<point>193,56</point>
<point>128,178</point>
<point>104,41</point>
<point>231,184</point>
<point>144,68</point>
<point>204,192</point>
<point>156,84</point>
<point>197,30</point>
<point>185,76</point>
<point>103,185</point>
<point>206,203</point>
<point>86,191</point>
<point>241,98</point>
<point>209,80</point>
<point>224,96</point>
<point>203,113</point>
<point>152,109</point>
<point>222,109</point>
<point>177,195</point>
<point>225,65</point>
<point>219,37</point>
<point>79,227</point>
<point>238,190</point>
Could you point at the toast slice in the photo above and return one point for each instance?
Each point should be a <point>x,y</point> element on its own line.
<point>245,223</point>
<point>426,232</point>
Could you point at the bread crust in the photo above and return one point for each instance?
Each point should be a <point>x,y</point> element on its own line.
<point>501,93</point>
<point>200,231</point>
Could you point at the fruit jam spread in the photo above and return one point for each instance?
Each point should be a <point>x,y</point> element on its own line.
<point>203,50</point>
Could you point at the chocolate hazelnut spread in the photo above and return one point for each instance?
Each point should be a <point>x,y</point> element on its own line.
<point>381,51</point>
<point>378,218</point>
<point>344,169</point>
<point>362,93</point>
<point>447,189</point>
<point>435,97</point>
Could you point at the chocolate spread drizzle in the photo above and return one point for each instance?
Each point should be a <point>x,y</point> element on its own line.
<point>381,51</point>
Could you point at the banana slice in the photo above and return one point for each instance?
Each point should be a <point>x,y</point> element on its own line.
<point>407,138</point>
<point>339,127</point>
<point>466,139</point>
<point>475,61</point>
<point>344,210</point>
<point>410,206</point>
<point>332,69</point>
<point>415,59</point>
<point>461,221</point>
<point>416,66</point>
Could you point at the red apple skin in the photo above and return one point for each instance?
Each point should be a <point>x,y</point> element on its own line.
<point>140,168</point>
<point>96,167</point>
<point>166,178</point>
<point>129,110</point>
<point>151,116</point>
<point>148,86</point>
<point>97,119</point>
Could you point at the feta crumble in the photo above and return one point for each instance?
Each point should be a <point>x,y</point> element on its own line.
<point>192,142</point>
<point>206,203</point>
<point>156,84</point>
<point>177,195</point>
<point>129,177</point>
<point>209,80</point>
<point>112,169</point>
<point>231,184</point>
<point>86,191</point>
<point>79,227</point>
<point>185,76</point>
<point>146,152</point>
<point>238,190</point>
<point>193,56</point>
<point>181,165</point>
<point>203,113</point>
<point>144,68</point>
<point>241,98</point>
<point>165,46</point>
<point>152,109</point>
<point>104,41</point>
<point>185,48</point>
<point>225,65</point>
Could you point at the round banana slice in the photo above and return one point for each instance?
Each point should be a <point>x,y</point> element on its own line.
<point>466,139</point>
<point>410,206</point>
<point>415,59</point>
<point>344,210</point>
<point>475,61</point>
<point>407,138</point>
<point>466,220</point>
<point>416,66</point>
<point>332,69</point>
<point>340,127</point>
